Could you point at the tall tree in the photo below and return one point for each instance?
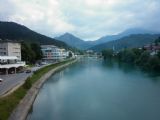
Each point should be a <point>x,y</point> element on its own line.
<point>37,50</point>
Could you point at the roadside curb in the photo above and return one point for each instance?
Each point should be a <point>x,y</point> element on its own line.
<point>10,91</point>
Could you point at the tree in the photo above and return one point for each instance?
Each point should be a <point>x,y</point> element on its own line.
<point>153,64</point>
<point>70,54</point>
<point>27,53</point>
<point>158,54</point>
<point>137,52</point>
<point>31,52</point>
<point>127,55</point>
<point>37,51</point>
<point>143,58</point>
<point>157,41</point>
<point>108,53</point>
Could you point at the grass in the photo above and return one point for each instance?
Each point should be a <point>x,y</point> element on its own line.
<point>8,103</point>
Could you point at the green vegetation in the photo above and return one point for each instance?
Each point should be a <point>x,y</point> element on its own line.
<point>70,54</point>
<point>31,52</point>
<point>14,31</point>
<point>17,32</point>
<point>139,57</point>
<point>132,41</point>
<point>108,53</point>
<point>8,103</point>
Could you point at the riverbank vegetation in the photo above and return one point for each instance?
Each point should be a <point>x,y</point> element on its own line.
<point>8,103</point>
<point>147,59</point>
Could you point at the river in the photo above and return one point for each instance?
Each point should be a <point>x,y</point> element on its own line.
<point>92,89</point>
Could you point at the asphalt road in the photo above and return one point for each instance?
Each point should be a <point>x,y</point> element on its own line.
<point>12,80</point>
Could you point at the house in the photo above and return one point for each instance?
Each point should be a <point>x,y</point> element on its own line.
<point>153,49</point>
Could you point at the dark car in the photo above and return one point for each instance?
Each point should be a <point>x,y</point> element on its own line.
<point>28,71</point>
<point>21,71</point>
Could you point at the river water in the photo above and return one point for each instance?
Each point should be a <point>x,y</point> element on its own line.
<point>92,89</point>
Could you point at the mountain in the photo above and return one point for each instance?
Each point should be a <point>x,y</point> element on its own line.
<point>74,41</point>
<point>70,39</point>
<point>14,31</point>
<point>81,44</point>
<point>130,41</point>
<point>127,32</point>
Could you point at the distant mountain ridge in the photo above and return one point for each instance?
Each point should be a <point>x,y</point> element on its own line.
<point>74,41</point>
<point>125,33</point>
<point>69,37</point>
<point>131,41</point>
<point>14,31</point>
<point>128,38</point>
<point>81,44</point>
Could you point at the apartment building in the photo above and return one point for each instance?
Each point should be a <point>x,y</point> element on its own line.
<point>52,53</point>
<point>10,48</point>
<point>10,57</point>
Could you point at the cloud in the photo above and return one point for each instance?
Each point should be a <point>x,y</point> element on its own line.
<point>42,16</point>
<point>88,19</point>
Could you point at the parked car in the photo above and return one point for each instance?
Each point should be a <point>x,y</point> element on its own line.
<point>38,65</point>
<point>43,63</point>
<point>21,71</point>
<point>1,80</point>
<point>28,71</point>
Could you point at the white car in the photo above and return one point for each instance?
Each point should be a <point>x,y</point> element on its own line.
<point>1,80</point>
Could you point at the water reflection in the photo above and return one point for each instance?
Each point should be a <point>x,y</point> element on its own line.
<point>129,68</point>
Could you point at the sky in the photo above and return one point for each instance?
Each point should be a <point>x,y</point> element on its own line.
<point>87,19</point>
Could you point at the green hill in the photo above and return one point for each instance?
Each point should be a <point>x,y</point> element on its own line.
<point>14,31</point>
<point>131,41</point>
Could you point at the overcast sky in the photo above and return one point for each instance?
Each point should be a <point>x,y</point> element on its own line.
<point>87,19</point>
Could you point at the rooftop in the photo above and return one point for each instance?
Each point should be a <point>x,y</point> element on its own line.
<point>9,41</point>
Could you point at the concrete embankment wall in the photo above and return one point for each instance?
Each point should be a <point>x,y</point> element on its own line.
<point>22,110</point>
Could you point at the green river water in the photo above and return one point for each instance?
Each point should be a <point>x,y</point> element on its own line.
<point>92,89</point>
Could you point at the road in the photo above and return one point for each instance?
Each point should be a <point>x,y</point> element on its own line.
<point>12,80</point>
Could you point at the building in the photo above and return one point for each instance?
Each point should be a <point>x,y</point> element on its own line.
<point>10,48</point>
<point>152,49</point>
<point>10,57</point>
<point>10,64</point>
<point>52,53</point>
<point>64,54</point>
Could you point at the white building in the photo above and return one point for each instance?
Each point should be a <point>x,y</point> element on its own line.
<point>52,53</point>
<point>10,48</point>
<point>10,57</point>
<point>10,64</point>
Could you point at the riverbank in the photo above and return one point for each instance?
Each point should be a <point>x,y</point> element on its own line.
<point>142,58</point>
<point>26,94</point>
